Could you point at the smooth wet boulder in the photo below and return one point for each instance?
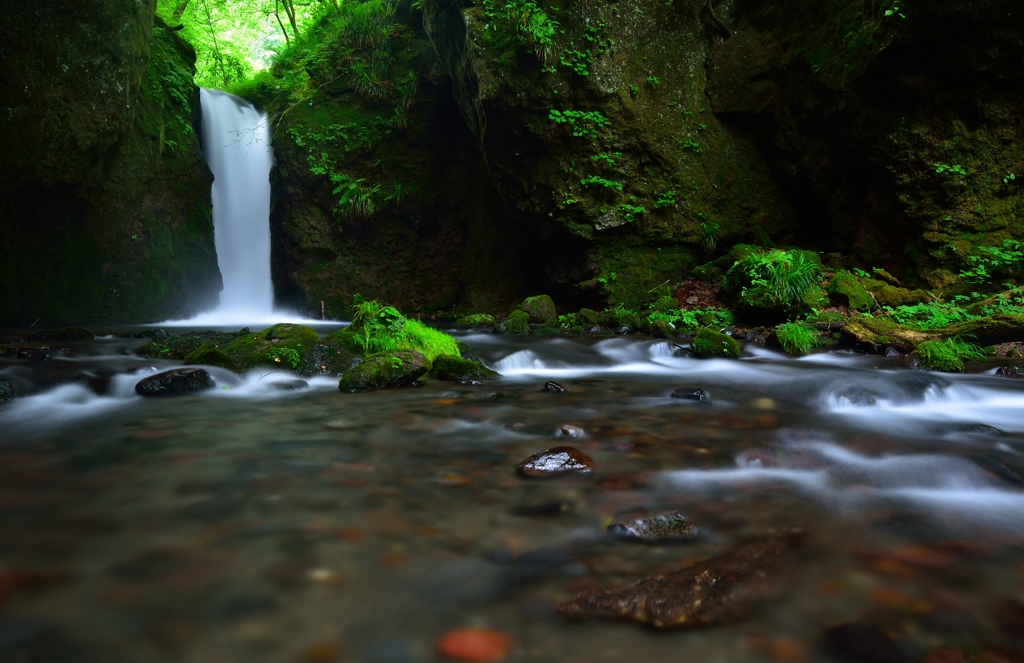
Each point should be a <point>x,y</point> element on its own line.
<point>517,324</point>
<point>477,321</point>
<point>7,391</point>
<point>712,344</point>
<point>556,462</point>
<point>694,394</point>
<point>670,527</point>
<point>553,387</point>
<point>712,591</point>
<point>289,385</point>
<point>455,368</point>
<point>540,309</point>
<point>177,382</point>
<point>385,371</point>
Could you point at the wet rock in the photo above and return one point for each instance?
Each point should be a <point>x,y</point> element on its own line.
<point>7,391</point>
<point>556,462</point>
<point>465,351</point>
<point>864,643</point>
<point>712,344</point>
<point>588,315</point>
<point>160,334</point>
<point>663,528</point>
<point>1008,372</point>
<point>477,321</point>
<point>517,324</point>
<point>540,309</point>
<point>692,394</point>
<point>501,396</point>
<point>711,591</point>
<point>386,371</point>
<point>454,368</point>
<point>67,334</point>
<point>859,396</point>
<point>289,385</point>
<point>893,352</point>
<point>469,383</point>
<point>569,430</point>
<point>624,329</point>
<point>553,386</point>
<point>543,508</point>
<point>178,382</point>
<point>207,356</point>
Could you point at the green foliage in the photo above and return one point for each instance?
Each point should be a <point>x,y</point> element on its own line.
<point>691,145</point>
<point>849,34</point>
<point>607,158</point>
<point>580,58</point>
<point>709,343</point>
<point>797,339</point>
<point>169,86</point>
<point>653,80</point>
<point>946,168</point>
<point>930,316</point>
<point>667,199</point>
<point>1010,177</point>
<point>585,124</point>
<point>378,328</point>
<point>691,319</point>
<point>529,21</point>
<point>287,355</point>
<point>948,355</point>
<point>634,91</point>
<point>629,211</point>
<point>993,259</point>
<point>709,236</point>
<point>597,180</point>
<point>776,277</point>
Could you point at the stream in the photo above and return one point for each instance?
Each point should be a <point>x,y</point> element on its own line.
<point>251,523</point>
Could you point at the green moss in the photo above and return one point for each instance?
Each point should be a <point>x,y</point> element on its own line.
<point>428,341</point>
<point>389,370</point>
<point>518,323</point>
<point>947,355</point>
<point>588,316</point>
<point>712,344</point>
<point>476,321</point>
<point>846,290</point>
<point>251,350</point>
<point>541,310</point>
<point>344,339</point>
<point>892,296</point>
<point>454,368</point>
<point>211,356</point>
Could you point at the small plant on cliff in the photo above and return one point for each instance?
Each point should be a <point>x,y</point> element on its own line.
<point>667,199</point>
<point>585,124</point>
<point>777,277</point>
<point>529,20</point>
<point>597,180</point>
<point>993,259</point>
<point>946,168</point>
<point>629,212</point>
<point>709,235</point>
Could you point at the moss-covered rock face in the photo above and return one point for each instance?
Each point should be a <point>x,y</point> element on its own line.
<point>455,368</point>
<point>846,290</point>
<point>283,345</point>
<point>389,370</point>
<point>517,323</point>
<point>541,310</point>
<point>106,212</point>
<point>477,321</point>
<point>709,343</point>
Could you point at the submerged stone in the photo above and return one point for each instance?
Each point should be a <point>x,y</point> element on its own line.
<point>386,371</point>
<point>289,385</point>
<point>454,368</point>
<point>715,590</point>
<point>692,394</point>
<point>865,643</point>
<point>663,528</point>
<point>556,462</point>
<point>569,430</point>
<point>178,382</point>
<point>553,386</point>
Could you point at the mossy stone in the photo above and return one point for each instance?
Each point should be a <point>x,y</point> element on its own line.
<point>252,350</point>
<point>344,339</point>
<point>814,298</point>
<point>662,328</point>
<point>212,356</point>
<point>846,290</point>
<point>478,320</point>
<point>455,368</point>
<point>518,323</point>
<point>588,316</point>
<point>541,310</point>
<point>389,370</point>
<point>712,344</point>
<point>892,296</point>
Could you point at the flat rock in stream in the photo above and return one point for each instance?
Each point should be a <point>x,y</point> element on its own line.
<point>663,528</point>
<point>694,394</point>
<point>715,590</point>
<point>385,371</point>
<point>556,462</point>
<point>178,382</point>
<point>553,387</point>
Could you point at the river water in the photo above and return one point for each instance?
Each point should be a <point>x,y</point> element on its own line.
<point>254,524</point>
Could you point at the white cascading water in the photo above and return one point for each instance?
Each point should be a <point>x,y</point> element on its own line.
<point>236,142</point>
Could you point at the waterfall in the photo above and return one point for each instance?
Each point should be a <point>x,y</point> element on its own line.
<point>236,142</point>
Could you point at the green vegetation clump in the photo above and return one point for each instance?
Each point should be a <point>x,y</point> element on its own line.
<point>585,124</point>
<point>541,310</point>
<point>773,279</point>
<point>948,355</point>
<point>848,291</point>
<point>797,339</point>
<point>477,320</point>
<point>456,368</point>
<point>518,323</point>
<point>377,328</point>
<point>390,370</point>
<point>712,344</point>
<point>928,317</point>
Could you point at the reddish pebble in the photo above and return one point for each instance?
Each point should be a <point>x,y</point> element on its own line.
<point>473,644</point>
<point>351,534</point>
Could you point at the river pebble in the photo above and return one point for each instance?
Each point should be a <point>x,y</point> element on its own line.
<point>556,462</point>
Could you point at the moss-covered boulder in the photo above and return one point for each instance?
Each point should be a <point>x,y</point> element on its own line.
<point>517,324</point>
<point>212,356</point>
<point>477,321</point>
<point>587,316</point>
<point>662,328</point>
<point>455,368</point>
<point>846,290</point>
<point>541,310</point>
<point>712,344</point>
<point>893,296</point>
<point>390,370</point>
<point>283,345</point>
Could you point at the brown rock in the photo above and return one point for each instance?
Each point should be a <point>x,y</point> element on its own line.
<point>556,462</point>
<point>553,386</point>
<point>662,528</point>
<point>711,591</point>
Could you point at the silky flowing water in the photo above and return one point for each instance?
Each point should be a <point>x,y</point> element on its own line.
<point>254,524</point>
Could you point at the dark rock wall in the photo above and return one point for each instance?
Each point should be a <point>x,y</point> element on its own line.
<point>105,209</point>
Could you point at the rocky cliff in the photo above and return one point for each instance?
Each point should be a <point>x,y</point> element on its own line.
<point>106,202</point>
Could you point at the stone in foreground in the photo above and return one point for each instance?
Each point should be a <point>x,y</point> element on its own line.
<point>556,462</point>
<point>663,528</point>
<point>715,590</point>
<point>386,371</point>
<point>692,394</point>
<point>553,387</point>
<point>712,344</point>
<point>178,382</point>
<point>454,368</point>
